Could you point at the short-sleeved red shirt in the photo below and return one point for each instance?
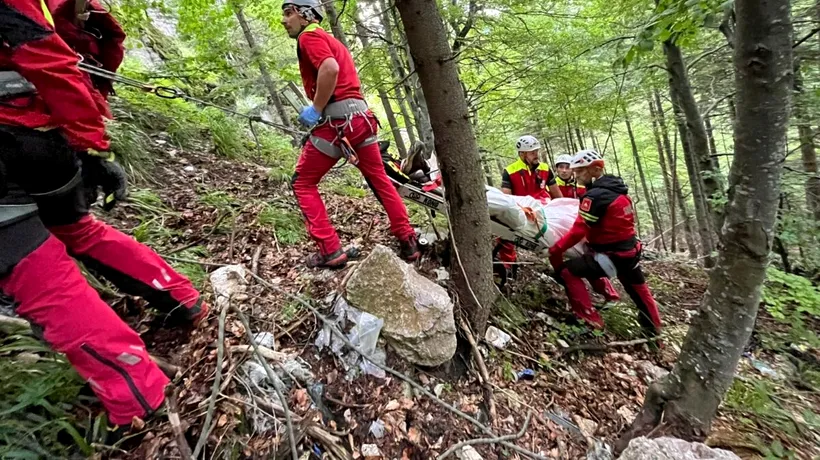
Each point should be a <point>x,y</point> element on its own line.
<point>314,45</point>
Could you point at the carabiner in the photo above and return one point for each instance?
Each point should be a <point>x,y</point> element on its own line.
<point>167,93</point>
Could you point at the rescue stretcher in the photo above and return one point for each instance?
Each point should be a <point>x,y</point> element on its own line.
<point>435,202</point>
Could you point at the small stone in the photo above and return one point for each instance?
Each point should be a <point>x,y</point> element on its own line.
<point>438,389</point>
<point>377,429</point>
<point>562,343</point>
<point>667,448</point>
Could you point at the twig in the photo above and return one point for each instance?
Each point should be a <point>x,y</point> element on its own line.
<point>176,426</point>
<point>220,354</point>
<point>231,241</point>
<point>496,440</point>
<point>335,331</point>
<point>290,328</point>
<point>604,346</point>
<point>265,352</point>
<point>276,382</point>
<point>276,241</point>
<point>202,238</point>
<point>191,261</point>
<point>255,260</point>
<point>369,229</point>
<point>482,370</point>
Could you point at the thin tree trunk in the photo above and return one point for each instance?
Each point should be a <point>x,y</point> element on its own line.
<point>549,152</point>
<point>708,171</point>
<point>779,247</point>
<point>457,150</point>
<point>701,210</point>
<point>414,90</point>
<point>615,155</point>
<point>595,141</point>
<point>256,54</point>
<point>707,122</point>
<point>335,24</point>
<point>403,89</point>
<point>672,158</point>
<point>383,97</point>
<point>670,200</point>
<point>573,145</point>
<point>580,138</point>
<point>808,152</point>
<point>689,396</point>
<point>635,202</point>
<point>657,226</point>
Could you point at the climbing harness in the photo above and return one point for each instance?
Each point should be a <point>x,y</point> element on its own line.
<point>167,92</point>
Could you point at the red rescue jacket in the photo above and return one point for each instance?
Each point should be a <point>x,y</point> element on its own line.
<point>99,40</point>
<point>524,180</point>
<point>30,47</point>
<point>569,188</point>
<point>605,217</point>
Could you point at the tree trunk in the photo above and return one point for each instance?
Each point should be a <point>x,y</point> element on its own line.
<point>573,145</point>
<point>779,247</point>
<point>256,55</point>
<point>384,98</point>
<point>708,171</point>
<point>670,200</point>
<point>595,141</point>
<point>807,147</point>
<point>672,159</point>
<point>689,396</point>
<point>403,89</point>
<point>653,213</point>
<point>615,155</point>
<point>549,152</point>
<point>457,150</point>
<point>580,138</point>
<point>707,122</point>
<point>701,210</point>
<point>335,25</point>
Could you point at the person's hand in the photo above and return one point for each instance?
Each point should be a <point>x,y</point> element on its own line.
<point>100,170</point>
<point>309,116</point>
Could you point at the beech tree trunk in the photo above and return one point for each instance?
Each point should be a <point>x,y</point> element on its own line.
<point>707,122</point>
<point>701,209</point>
<point>672,159</point>
<point>708,171</point>
<point>808,151</point>
<point>384,98</point>
<point>670,200</point>
<point>457,150</point>
<point>615,155</point>
<point>256,55</point>
<point>689,396</point>
<point>335,24</point>
<point>580,138</point>
<point>657,227</point>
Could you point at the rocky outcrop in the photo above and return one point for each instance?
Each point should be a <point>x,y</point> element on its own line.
<point>417,313</point>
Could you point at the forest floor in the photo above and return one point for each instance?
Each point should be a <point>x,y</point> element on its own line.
<point>198,209</point>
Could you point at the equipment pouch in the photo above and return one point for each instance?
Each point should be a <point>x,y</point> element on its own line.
<point>12,84</point>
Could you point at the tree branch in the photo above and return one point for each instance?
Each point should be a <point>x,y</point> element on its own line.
<point>474,442</point>
<point>811,34</point>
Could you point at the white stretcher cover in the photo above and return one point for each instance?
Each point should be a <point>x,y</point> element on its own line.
<point>527,216</point>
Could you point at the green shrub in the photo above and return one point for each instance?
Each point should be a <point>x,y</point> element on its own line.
<point>792,299</point>
<point>286,222</point>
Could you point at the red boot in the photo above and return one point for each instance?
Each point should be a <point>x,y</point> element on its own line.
<point>580,301</point>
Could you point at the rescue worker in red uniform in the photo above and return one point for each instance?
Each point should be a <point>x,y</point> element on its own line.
<point>51,134</point>
<point>565,180</point>
<point>606,220</point>
<point>527,176</point>
<point>338,114</point>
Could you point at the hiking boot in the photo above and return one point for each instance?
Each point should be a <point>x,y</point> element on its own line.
<point>410,251</point>
<point>336,260</point>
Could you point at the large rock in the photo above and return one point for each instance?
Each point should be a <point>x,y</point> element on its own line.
<point>417,313</point>
<point>672,449</point>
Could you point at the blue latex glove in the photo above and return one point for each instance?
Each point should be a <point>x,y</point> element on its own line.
<point>309,116</point>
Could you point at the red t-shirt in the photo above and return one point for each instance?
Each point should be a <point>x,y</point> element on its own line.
<point>313,46</point>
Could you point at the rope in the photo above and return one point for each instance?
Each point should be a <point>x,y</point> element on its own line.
<point>166,92</point>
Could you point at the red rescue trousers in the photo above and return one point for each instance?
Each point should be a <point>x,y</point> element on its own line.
<point>43,220</point>
<point>312,167</point>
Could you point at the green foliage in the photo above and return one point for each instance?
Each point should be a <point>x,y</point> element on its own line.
<point>218,199</point>
<point>153,214</point>
<point>194,272</point>
<point>792,300</point>
<point>285,221</point>
<point>37,416</point>
<point>131,146</point>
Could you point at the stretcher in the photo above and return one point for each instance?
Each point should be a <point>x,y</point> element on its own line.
<point>435,202</point>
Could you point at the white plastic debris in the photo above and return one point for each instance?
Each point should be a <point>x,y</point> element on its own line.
<point>364,335</point>
<point>442,275</point>
<point>377,429</point>
<point>265,339</point>
<point>371,450</point>
<point>497,337</point>
<point>468,453</point>
<point>227,282</point>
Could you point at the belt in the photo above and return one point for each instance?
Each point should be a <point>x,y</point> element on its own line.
<point>345,108</point>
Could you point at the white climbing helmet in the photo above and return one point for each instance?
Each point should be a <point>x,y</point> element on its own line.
<point>563,159</point>
<point>308,9</point>
<point>586,158</point>
<point>527,144</point>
